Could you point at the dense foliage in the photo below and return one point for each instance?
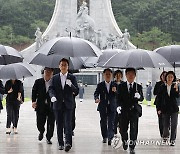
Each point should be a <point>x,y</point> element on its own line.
<point>20,18</point>
<point>151,23</point>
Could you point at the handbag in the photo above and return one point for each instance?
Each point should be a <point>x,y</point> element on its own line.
<point>138,108</point>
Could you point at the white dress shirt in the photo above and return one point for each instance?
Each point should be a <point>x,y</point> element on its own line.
<point>47,84</point>
<point>168,89</point>
<point>108,85</point>
<point>63,79</point>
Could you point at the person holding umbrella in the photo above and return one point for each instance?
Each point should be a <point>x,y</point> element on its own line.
<point>129,94</point>
<point>105,97</point>
<point>81,92</point>
<point>42,104</point>
<point>148,93</point>
<point>62,90</point>
<point>118,80</point>
<point>155,92</point>
<point>167,106</point>
<point>14,90</point>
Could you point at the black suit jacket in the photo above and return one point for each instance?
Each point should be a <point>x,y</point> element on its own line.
<point>127,102</point>
<point>17,88</point>
<point>167,104</point>
<point>40,96</point>
<point>102,94</point>
<point>156,90</point>
<point>65,97</point>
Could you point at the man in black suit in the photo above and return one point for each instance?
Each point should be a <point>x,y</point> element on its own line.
<point>62,90</point>
<point>42,104</point>
<point>105,96</point>
<point>128,96</point>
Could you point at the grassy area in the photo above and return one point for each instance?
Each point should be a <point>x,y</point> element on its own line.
<point>145,102</point>
<point>25,100</point>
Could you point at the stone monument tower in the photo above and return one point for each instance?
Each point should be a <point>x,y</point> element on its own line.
<point>89,19</point>
<point>99,18</point>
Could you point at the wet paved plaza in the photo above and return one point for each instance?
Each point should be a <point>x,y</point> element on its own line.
<point>87,139</point>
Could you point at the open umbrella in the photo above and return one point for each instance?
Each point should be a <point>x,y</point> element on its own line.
<point>52,61</point>
<point>137,58</point>
<point>69,47</point>
<point>9,55</point>
<point>171,53</point>
<point>16,71</point>
<point>106,55</point>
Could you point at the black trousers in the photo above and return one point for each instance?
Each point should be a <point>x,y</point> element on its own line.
<point>129,118</point>
<point>12,109</point>
<point>160,122</point>
<point>42,118</point>
<point>107,123</point>
<point>64,121</point>
<point>170,124</point>
<point>73,119</point>
<point>117,123</point>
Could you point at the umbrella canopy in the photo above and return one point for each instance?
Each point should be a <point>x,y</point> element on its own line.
<point>106,55</point>
<point>90,62</point>
<point>16,71</point>
<point>171,53</point>
<point>69,47</point>
<point>137,58</point>
<point>9,55</point>
<point>52,61</point>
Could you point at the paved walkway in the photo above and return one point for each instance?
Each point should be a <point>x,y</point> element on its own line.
<point>87,138</point>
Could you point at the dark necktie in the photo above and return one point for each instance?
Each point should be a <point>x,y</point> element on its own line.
<point>130,89</point>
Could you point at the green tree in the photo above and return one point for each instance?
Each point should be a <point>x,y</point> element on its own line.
<point>152,39</point>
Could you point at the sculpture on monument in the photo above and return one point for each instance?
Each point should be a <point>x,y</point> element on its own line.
<point>38,39</point>
<point>85,25</point>
<point>126,37</point>
<point>110,41</point>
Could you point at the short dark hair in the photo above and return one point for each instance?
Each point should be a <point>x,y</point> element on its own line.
<point>170,72</point>
<point>118,72</point>
<point>48,68</point>
<point>130,70</point>
<point>64,60</point>
<point>107,69</point>
<point>162,75</point>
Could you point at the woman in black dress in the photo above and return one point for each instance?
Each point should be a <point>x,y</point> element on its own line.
<point>167,106</point>
<point>155,92</point>
<point>118,75</point>
<point>14,90</point>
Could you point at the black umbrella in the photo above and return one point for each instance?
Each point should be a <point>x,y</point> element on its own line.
<point>137,58</point>
<point>106,55</point>
<point>52,61</point>
<point>171,53</point>
<point>16,71</point>
<point>69,47</point>
<point>9,55</point>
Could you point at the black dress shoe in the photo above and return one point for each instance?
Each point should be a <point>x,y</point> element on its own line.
<point>40,137</point>
<point>67,147</point>
<point>48,141</point>
<point>132,151</point>
<point>125,146</point>
<point>109,142</point>
<point>104,140</point>
<point>61,147</point>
